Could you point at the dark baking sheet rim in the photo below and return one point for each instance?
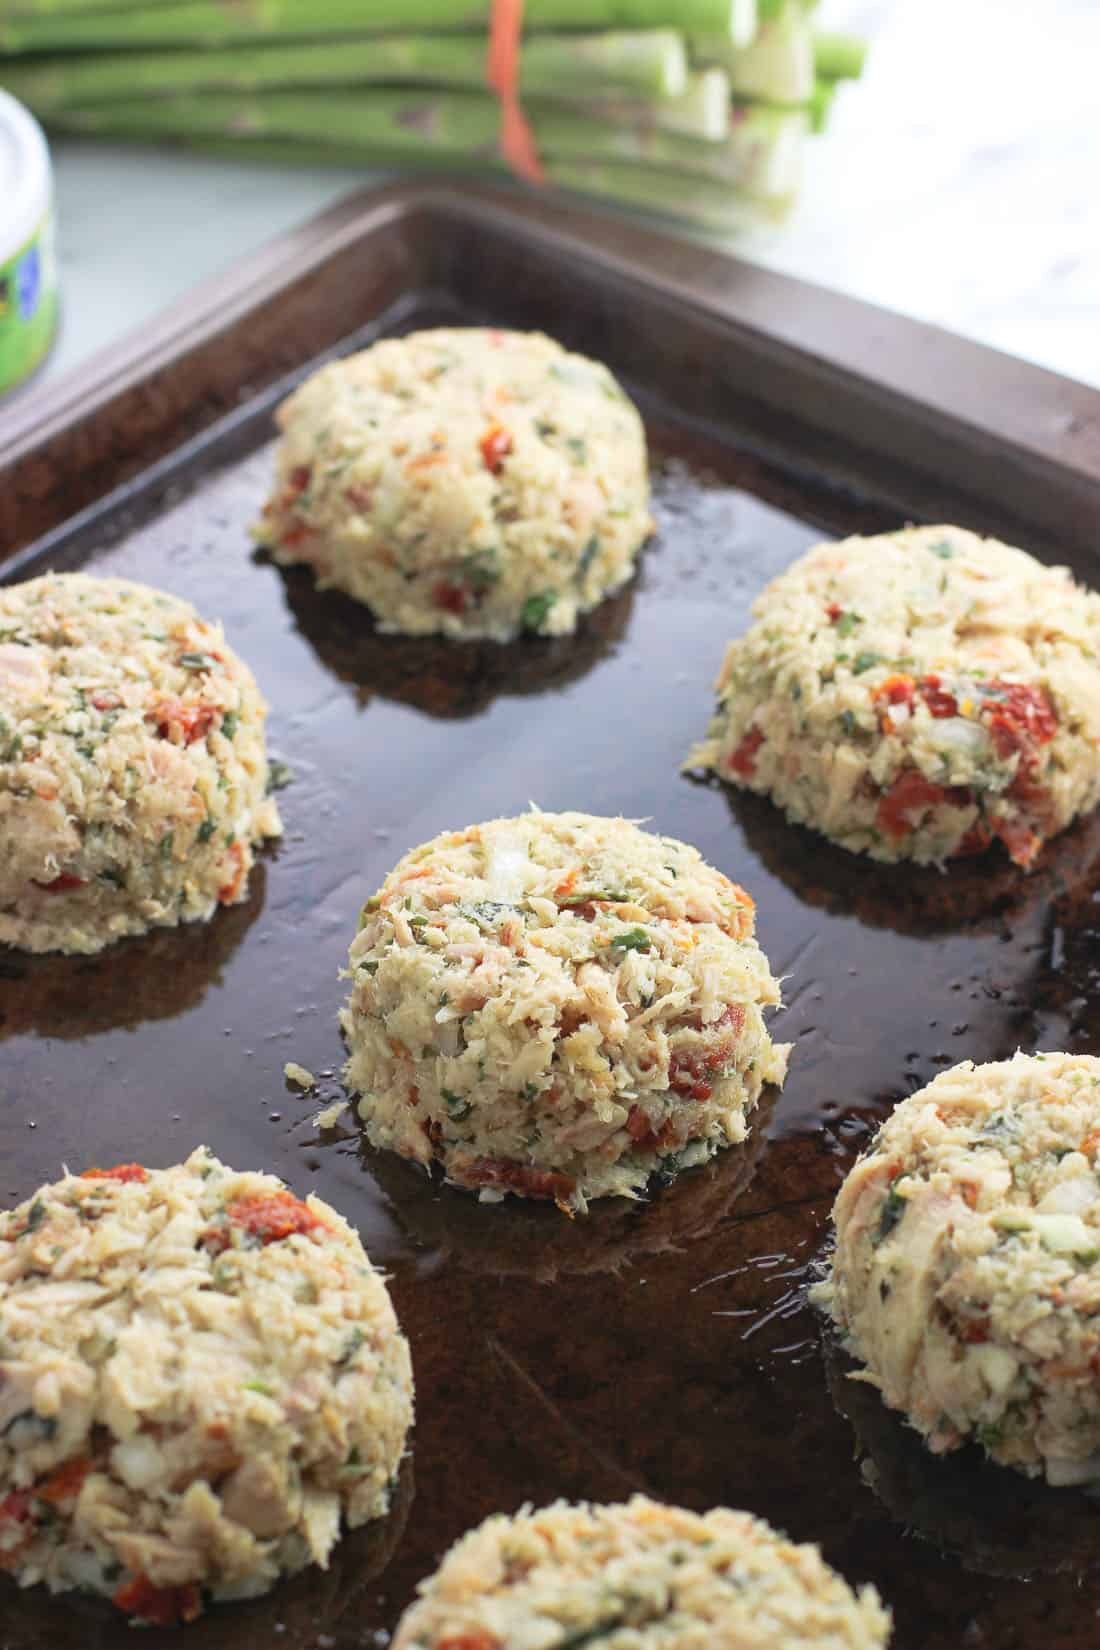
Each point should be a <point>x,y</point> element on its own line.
<point>888,405</point>
<point>848,400</point>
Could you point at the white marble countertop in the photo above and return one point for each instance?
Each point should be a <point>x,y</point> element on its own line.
<point>957,183</point>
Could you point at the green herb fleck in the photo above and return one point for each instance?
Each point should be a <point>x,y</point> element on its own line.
<point>588,556</point>
<point>535,609</point>
<point>893,1207</point>
<point>942,549</point>
<point>260,1386</point>
<point>207,829</point>
<point>458,1107</point>
<point>230,723</point>
<point>279,776</point>
<point>196,661</point>
<point>36,1214</point>
<point>480,571</point>
<point>989,1433</point>
<point>866,661</point>
<point>847,623</point>
<point>848,722</point>
<point>165,847</point>
<point>631,939</point>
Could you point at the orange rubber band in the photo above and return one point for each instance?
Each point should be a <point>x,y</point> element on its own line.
<point>502,69</point>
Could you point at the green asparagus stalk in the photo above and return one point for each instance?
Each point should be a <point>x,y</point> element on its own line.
<point>760,153</point>
<point>701,113</point>
<point>820,105</point>
<point>705,205</point>
<point>838,56</point>
<point>779,65</point>
<point>212,22</point>
<point>647,63</point>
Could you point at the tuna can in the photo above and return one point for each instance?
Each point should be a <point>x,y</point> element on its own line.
<point>28,268</point>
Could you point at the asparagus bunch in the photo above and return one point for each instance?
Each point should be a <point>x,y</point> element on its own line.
<point>699,108</point>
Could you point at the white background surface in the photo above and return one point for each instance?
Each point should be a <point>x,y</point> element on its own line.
<point>959,182</point>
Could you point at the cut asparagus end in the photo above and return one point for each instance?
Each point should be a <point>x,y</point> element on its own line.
<point>703,110</point>
<point>778,67</point>
<point>821,104</point>
<point>838,56</point>
<point>744,21</point>
<point>701,113</point>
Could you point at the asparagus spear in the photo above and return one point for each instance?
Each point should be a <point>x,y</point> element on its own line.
<point>646,63</point>
<point>36,27</point>
<point>760,153</point>
<point>702,112</point>
<point>838,56</point>
<point>779,65</point>
<point>700,202</point>
<point>821,103</point>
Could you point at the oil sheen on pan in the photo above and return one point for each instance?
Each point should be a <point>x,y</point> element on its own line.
<point>664,1347</point>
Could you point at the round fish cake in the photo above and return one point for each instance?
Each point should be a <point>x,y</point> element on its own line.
<point>915,696</point>
<point>640,1576</point>
<point>464,481</point>
<point>200,1376</point>
<point>557,1006</point>
<point>133,770</point>
<point>966,1275</point>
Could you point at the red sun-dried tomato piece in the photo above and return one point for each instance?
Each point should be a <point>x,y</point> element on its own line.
<point>495,446</point>
<point>193,721</point>
<point>911,795</point>
<point>939,700</point>
<point>161,1606</point>
<point>452,598</point>
<point>743,760</point>
<point>268,1217</point>
<point>1021,716</point>
<point>895,690</point>
<point>518,1177</point>
<point>66,1482</point>
<point>62,884</point>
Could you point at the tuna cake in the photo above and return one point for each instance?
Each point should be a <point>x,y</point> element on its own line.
<point>966,1275</point>
<point>201,1375</point>
<point>558,1006</point>
<point>470,482</point>
<point>916,696</point>
<point>133,769</point>
<point>641,1576</point>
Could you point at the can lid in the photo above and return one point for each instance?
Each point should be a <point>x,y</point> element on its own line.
<point>24,176</point>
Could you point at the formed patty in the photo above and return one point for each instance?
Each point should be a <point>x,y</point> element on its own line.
<point>637,1575</point>
<point>200,1375</point>
<point>464,481</point>
<point>916,695</point>
<point>133,769</point>
<point>556,1006</point>
<point>967,1267</point>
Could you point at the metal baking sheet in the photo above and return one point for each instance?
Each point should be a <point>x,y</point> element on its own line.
<point>665,1346</point>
